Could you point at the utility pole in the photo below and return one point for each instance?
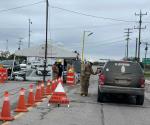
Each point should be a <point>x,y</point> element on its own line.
<point>139,28</point>
<point>82,59</point>
<point>45,59</point>
<point>20,43</point>
<point>127,39</point>
<point>146,49</point>
<point>83,42</point>
<point>136,48</point>
<point>29,32</point>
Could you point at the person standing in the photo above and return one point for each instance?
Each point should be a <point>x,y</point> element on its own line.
<point>60,69</point>
<point>85,76</point>
<point>55,71</point>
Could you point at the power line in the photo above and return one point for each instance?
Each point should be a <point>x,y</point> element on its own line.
<point>102,42</point>
<point>84,14</point>
<point>108,40</point>
<point>22,6</point>
<point>77,27</point>
<point>88,26</point>
<point>108,43</point>
<point>71,11</point>
<point>89,15</point>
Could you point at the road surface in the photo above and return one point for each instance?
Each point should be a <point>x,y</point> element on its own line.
<point>85,110</point>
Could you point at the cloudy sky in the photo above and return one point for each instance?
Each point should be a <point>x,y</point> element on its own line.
<point>67,21</point>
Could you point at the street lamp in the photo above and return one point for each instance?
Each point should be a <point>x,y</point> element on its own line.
<point>84,35</point>
<point>82,59</point>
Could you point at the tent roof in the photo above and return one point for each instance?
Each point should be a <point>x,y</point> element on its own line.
<point>52,52</point>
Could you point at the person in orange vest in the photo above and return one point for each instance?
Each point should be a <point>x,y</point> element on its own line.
<point>85,76</point>
<point>55,71</point>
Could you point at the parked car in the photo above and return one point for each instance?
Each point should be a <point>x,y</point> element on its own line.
<point>40,70</point>
<point>23,65</point>
<point>9,64</point>
<point>122,77</point>
<point>36,64</point>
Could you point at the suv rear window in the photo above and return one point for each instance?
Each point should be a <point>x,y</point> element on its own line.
<point>123,67</point>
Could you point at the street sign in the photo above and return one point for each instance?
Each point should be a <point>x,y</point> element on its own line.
<point>146,61</point>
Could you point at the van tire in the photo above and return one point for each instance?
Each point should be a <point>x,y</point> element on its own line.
<point>139,99</point>
<point>100,96</point>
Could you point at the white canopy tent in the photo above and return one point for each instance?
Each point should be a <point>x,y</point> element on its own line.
<point>52,52</point>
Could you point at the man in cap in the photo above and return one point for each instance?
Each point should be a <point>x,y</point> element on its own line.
<point>85,76</point>
<point>55,71</point>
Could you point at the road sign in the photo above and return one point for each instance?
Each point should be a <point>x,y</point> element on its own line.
<point>146,61</point>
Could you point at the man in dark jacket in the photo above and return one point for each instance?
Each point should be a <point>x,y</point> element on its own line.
<point>60,68</point>
<point>85,76</point>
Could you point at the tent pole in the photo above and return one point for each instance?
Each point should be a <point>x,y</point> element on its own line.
<point>45,59</point>
<point>12,69</point>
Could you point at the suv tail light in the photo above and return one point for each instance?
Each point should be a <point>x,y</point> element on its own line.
<point>142,82</point>
<point>102,79</point>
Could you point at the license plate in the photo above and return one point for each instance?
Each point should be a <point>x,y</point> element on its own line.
<point>122,82</point>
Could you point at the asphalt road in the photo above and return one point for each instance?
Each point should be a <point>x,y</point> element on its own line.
<point>86,110</point>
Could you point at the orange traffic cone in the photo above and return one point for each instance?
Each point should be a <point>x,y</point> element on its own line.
<point>59,96</point>
<point>54,85</point>
<point>5,114</point>
<point>60,80</point>
<point>21,107</point>
<point>43,90</point>
<point>31,100</point>
<point>38,97</point>
<point>48,88</point>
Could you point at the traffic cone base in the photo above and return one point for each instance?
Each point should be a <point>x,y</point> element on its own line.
<point>31,105</point>
<point>39,100</point>
<point>21,110</point>
<point>6,118</point>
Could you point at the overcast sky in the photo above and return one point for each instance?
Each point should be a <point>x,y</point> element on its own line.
<point>66,28</point>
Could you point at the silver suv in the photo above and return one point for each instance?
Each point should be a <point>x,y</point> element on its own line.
<point>122,77</point>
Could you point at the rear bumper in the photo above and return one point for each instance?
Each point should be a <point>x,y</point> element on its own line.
<point>121,90</point>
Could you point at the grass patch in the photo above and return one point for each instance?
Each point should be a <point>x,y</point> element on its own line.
<point>147,74</point>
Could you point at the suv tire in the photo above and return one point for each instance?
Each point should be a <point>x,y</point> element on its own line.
<point>100,96</point>
<point>139,99</point>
